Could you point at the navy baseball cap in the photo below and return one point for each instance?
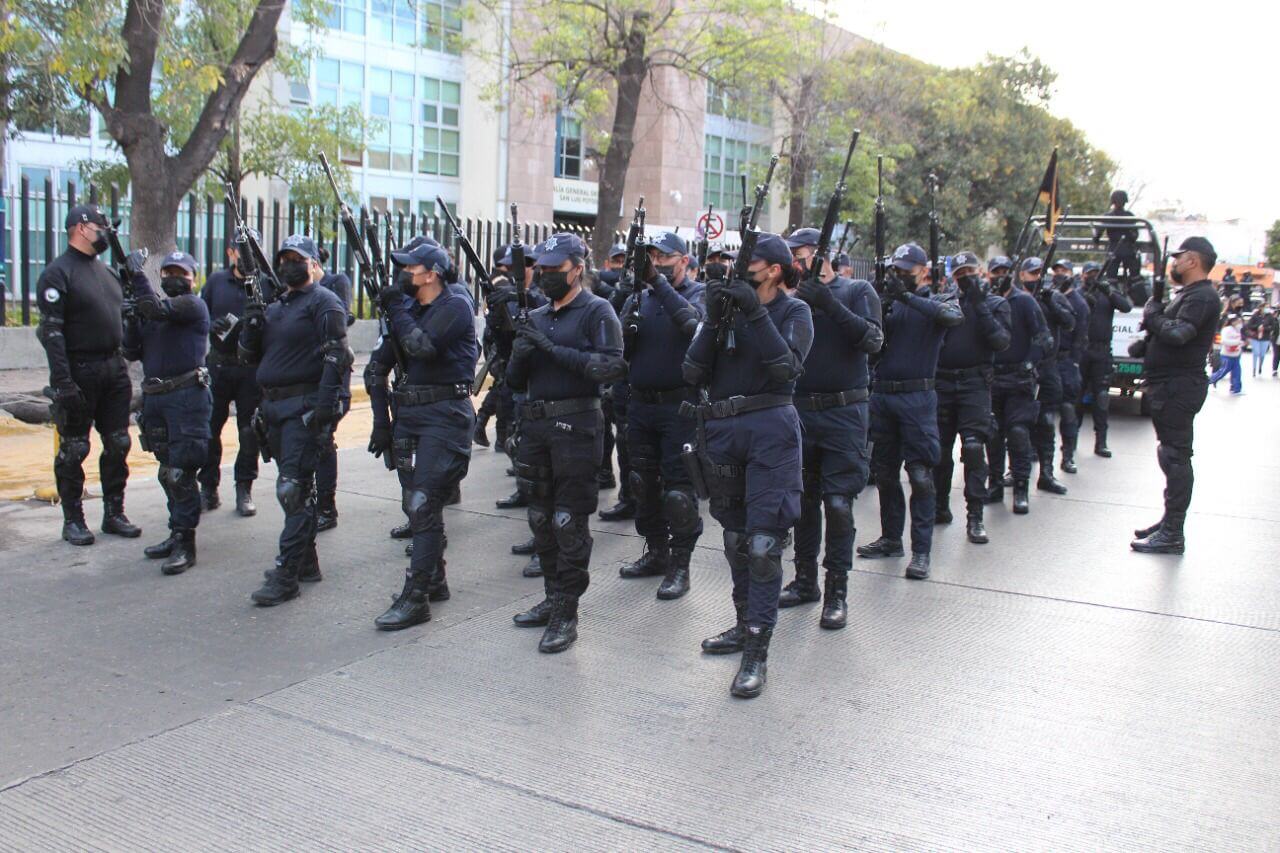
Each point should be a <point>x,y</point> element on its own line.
<point>82,213</point>
<point>965,259</point>
<point>670,243</point>
<point>908,256</point>
<point>181,260</point>
<point>1031,265</point>
<point>433,257</point>
<point>803,237</point>
<point>559,248</point>
<point>500,254</point>
<point>530,256</point>
<point>842,260</point>
<point>693,261</point>
<point>999,262</point>
<point>1092,266</point>
<point>1064,263</point>
<point>618,249</point>
<point>1200,246</point>
<point>772,249</point>
<point>300,243</point>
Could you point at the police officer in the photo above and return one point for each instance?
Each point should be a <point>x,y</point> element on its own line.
<point>559,361</point>
<point>507,299</point>
<point>658,323</point>
<point>614,428</point>
<point>299,343</point>
<point>904,407</point>
<point>434,418</point>
<point>1095,366</point>
<point>1071,350</point>
<point>1180,335</point>
<point>169,336</point>
<point>1123,239</point>
<point>831,400</point>
<point>1060,318</point>
<point>225,294</point>
<point>327,466</point>
<point>965,371</point>
<point>750,450</point>
<point>492,405</point>
<point>617,396</point>
<point>81,329</point>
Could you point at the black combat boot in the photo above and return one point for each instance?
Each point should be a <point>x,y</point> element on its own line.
<point>1167,539</point>
<point>624,509</point>
<point>309,566</point>
<point>536,616</point>
<point>1046,482</point>
<point>209,499</point>
<point>162,549</point>
<point>410,607</point>
<point>749,682</point>
<point>245,507</point>
<point>676,582</point>
<point>728,642</point>
<point>455,496</point>
<point>1144,532</point>
<point>835,611</point>
<point>523,549</point>
<point>1100,445</point>
<point>533,568</point>
<point>562,628</point>
<point>1069,457</point>
<point>974,529</point>
<point>995,490</point>
<point>918,568</point>
<point>438,583</point>
<point>652,562</point>
<point>402,531</point>
<point>516,501</point>
<point>74,530</point>
<point>882,547</point>
<point>114,520</point>
<point>281,585</point>
<point>480,436</point>
<point>804,588</point>
<point>942,514</point>
<point>183,556</point>
<point>500,438</point>
<point>326,512</point>
<point>1021,487</point>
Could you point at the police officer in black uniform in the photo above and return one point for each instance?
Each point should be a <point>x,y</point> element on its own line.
<point>1071,350</point>
<point>299,343</point>
<point>831,400</point>
<point>1060,318</point>
<point>1180,335</point>
<point>904,407</point>
<point>1123,239</point>
<point>561,357</point>
<point>617,396</point>
<point>169,335</point>
<point>434,419</point>
<point>658,324</point>
<point>506,299</point>
<point>964,376</point>
<point>751,450</point>
<point>1013,389</point>
<point>327,466</point>
<point>1095,367</point>
<point>225,295</point>
<point>494,334</point>
<point>81,329</point>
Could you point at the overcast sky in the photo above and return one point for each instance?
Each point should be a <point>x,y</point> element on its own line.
<point>1195,117</point>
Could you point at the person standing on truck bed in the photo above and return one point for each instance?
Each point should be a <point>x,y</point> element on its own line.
<point>1095,365</point>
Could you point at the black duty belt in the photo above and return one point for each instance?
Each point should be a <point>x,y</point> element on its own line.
<point>964,372</point>
<point>831,400</point>
<point>539,409</point>
<point>284,392</point>
<point>155,385</point>
<point>1019,369</point>
<point>675,395</point>
<point>422,395</point>
<point>91,357</point>
<point>889,386</point>
<point>740,405</point>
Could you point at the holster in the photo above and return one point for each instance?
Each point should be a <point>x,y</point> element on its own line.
<point>693,466</point>
<point>259,424</point>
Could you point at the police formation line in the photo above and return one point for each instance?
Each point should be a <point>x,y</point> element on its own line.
<point>768,384</point>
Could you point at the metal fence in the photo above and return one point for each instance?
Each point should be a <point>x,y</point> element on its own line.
<point>32,233</point>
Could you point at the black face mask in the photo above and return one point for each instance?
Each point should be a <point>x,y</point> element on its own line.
<point>175,285</point>
<point>966,281</point>
<point>295,273</point>
<point>404,280</point>
<point>610,276</point>
<point>1003,283</point>
<point>100,242</point>
<point>1062,282</point>
<point>717,272</point>
<point>555,284</point>
<point>667,272</point>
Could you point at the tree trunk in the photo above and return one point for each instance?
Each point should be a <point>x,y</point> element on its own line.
<point>798,187</point>
<point>617,159</point>
<point>153,219</point>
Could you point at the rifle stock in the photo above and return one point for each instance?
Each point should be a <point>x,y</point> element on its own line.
<point>935,262</point>
<point>833,211</point>
<point>517,267</point>
<point>880,226</point>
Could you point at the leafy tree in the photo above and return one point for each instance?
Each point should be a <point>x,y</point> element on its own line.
<point>1273,245</point>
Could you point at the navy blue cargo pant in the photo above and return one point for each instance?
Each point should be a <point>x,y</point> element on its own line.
<point>296,448</point>
<point>656,433</point>
<point>175,427</point>
<point>904,429</point>
<point>835,471</point>
<point>238,384</point>
<point>432,455</point>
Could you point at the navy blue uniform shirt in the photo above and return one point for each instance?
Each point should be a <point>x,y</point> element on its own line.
<point>1027,330</point>
<point>657,349</point>
<point>771,347</point>
<point>447,322</point>
<point>984,332</point>
<point>299,325</point>
<point>587,350</point>
<point>914,332</point>
<point>224,294</point>
<point>837,360</point>
<point>173,343</point>
<point>1102,313</point>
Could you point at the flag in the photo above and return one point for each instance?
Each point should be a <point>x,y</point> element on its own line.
<point>1049,197</point>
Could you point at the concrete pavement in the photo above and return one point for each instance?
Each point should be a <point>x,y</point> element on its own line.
<point>1049,690</point>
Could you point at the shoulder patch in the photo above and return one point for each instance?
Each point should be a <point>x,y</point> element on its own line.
<point>51,295</point>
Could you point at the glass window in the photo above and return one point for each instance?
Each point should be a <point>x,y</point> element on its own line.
<point>391,103</point>
<point>438,117</point>
<point>568,147</point>
<point>393,21</point>
<point>723,161</point>
<point>441,25</point>
<point>738,106</point>
<point>347,15</point>
<point>341,83</point>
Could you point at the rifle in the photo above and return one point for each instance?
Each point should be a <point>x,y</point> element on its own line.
<point>1157,271</point>
<point>848,229</point>
<point>833,210</point>
<point>880,226</point>
<point>517,268</point>
<point>370,278</point>
<point>704,245</point>
<point>469,251</point>
<point>388,242</point>
<point>635,247</point>
<point>751,215</point>
<point>118,257</point>
<point>253,262</point>
<point>935,263</point>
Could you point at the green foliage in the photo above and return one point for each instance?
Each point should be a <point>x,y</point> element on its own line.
<point>103,174</point>
<point>1273,245</point>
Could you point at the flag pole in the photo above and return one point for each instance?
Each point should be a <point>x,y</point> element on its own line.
<point>1035,201</point>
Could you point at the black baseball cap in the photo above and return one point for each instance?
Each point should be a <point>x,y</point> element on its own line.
<point>908,256</point>
<point>670,243</point>
<point>772,249</point>
<point>181,260</point>
<point>82,213</point>
<point>559,248</point>
<point>1031,265</point>
<point>803,237</point>
<point>301,244</point>
<point>432,257</point>
<point>999,262</point>
<point>965,258</point>
<point>1201,246</point>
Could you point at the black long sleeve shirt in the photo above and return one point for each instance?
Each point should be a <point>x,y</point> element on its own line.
<point>1102,314</point>
<point>1182,332</point>
<point>984,332</point>
<point>79,299</point>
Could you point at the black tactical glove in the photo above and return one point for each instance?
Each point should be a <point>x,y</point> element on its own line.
<point>222,326</point>
<point>535,337</point>
<point>136,261</point>
<point>1104,287</point>
<point>319,419</point>
<point>969,287</point>
<point>499,299</point>
<point>522,346</point>
<point>744,296</point>
<point>255,316</point>
<point>389,298</point>
<point>646,273</point>
<point>715,294</point>
<point>380,441</point>
<point>129,309</point>
<point>894,288</point>
<point>816,294</point>
<point>70,399</point>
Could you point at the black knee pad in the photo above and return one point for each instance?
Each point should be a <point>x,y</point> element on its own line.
<point>1046,417</point>
<point>1169,456</point>
<point>178,478</point>
<point>117,443</point>
<point>920,476</point>
<point>839,512</point>
<point>571,532</point>
<point>1019,436</point>
<point>973,453</point>
<point>424,509</point>
<point>680,509</point>
<point>764,557</point>
<point>292,494</point>
<point>72,450</point>
<point>735,545</point>
<point>540,523</point>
